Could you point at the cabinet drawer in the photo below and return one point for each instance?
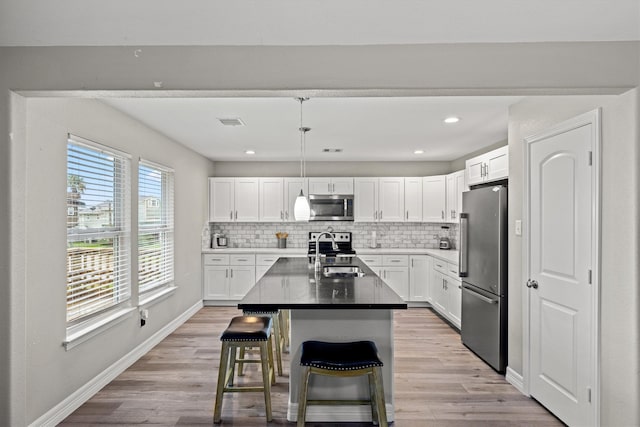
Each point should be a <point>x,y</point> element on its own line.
<point>266,259</point>
<point>440,266</point>
<point>452,269</point>
<point>246,259</point>
<point>371,260</point>
<point>215,259</point>
<point>395,260</point>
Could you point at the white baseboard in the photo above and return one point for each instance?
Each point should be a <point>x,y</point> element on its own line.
<point>336,414</point>
<point>515,379</point>
<point>63,409</point>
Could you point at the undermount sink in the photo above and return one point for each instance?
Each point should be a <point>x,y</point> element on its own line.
<point>342,271</point>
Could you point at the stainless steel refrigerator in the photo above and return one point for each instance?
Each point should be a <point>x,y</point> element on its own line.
<point>483,269</point>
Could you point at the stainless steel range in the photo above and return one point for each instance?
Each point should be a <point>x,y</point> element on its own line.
<point>326,247</point>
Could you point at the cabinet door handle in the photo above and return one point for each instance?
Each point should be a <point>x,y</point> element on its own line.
<point>226,272</point>
<point>232,273</point>
<point>375,215</point>
<point>442,214</point>
<point>380,214</point>
<point>333,188</point>
<point>407,214</point>
<point>412,263</point>
<point>231,215</point>
<point>281,215</point>
<point>286,214</point>
<point>329,188</point>
<point>236,214</point>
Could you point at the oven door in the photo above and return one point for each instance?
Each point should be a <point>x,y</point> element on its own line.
<point>331,208</point>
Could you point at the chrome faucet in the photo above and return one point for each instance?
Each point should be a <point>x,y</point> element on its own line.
<point>334,246</point>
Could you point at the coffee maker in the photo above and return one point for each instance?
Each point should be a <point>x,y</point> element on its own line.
<point>445,243</point>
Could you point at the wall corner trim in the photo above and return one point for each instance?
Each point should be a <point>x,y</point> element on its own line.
<point>516,380</point>
<point>63,409</point>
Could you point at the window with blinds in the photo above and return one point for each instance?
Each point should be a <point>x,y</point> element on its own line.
<point>98,228</point>
<point>155,226</point>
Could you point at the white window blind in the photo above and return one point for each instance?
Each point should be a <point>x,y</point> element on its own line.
<point>155,226</point>
<point>98,228</point>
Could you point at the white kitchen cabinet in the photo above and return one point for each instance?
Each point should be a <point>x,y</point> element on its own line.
<point>379,199</point>
<point>420,267</point>
<point>233,199</point>
<point>413,199</point>
<point>393,269</point>
<point>434,198</point>
<point>227,278</point>
<point>330,185</point>
<point>491,166</point>
<point>446,290</point>
<point>271,199</point>
<point>292,187</point>
<point>455,187</point>
<point>264,263</point>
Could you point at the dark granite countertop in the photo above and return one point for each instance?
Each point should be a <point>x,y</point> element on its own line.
<point>291,283</point>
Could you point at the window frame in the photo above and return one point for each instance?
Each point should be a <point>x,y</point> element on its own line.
<point>120,233</point>
<point>148,291</point>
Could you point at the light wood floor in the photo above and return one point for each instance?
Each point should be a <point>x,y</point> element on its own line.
<point>438,382</point>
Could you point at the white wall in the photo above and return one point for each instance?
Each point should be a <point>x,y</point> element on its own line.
<point>439,69</point>
<point>620,305</point>
<point>332,168</point>
<point>52,373</point>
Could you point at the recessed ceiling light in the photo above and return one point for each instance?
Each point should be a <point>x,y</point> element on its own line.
<point>249,152</point>
<point>418,152</point>
<point>332,150</point>
<point>452,119</point>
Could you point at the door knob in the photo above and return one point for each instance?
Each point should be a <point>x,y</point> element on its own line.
<point>532,284</point>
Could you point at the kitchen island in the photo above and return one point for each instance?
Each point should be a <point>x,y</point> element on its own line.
<point>334,309</point>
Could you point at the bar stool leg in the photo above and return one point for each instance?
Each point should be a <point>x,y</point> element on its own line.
<point>272,371</point>
<point>277,337</point>
<point>240,364</point>
<point>372,396</point>
<point>380,403</point>
<point>222,375</point>
<point>266,369</point>
<point>302,396</point>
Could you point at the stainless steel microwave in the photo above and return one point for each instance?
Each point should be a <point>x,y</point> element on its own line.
<point>331,207</point>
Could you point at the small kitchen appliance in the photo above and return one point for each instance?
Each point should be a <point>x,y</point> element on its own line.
<point>219,241</point>
<point>444,243</point>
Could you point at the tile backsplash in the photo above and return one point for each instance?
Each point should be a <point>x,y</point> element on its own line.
<point>388,234</point>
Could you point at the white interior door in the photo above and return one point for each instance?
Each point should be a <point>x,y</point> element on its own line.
<point>561,257</point>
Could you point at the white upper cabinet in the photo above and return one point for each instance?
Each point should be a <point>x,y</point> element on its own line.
<point>391,199</point>
<point>221,199</point>
<point>413,199</point>
<point>455,187</point>
<point>491,166</point>
<point>292,187</point>
<point>233,199</point>
<point>365,200</point>
<point>330,185</point>
<point>379,199</point>
<point>271,199</point>
<point>434,198</point>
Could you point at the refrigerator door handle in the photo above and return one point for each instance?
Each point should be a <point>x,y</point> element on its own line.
<point>463,254</point>
<point>480,296</point>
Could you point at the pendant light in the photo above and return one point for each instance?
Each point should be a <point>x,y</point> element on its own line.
<point>301,209</point>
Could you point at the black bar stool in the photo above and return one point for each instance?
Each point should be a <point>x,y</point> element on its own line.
<point>242,332</point>
<point>347,359</point>
<point>278,336</point>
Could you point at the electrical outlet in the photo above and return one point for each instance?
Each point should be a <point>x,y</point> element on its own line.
<point>518,227</point>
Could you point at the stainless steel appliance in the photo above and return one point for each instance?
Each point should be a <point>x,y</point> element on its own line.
<point>331,207</point>
<point>483,268</point>
<point>219,241</point>
<point>326,247</point>
<point>445,243</point>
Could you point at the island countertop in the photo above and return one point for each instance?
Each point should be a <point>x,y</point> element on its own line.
<point>291,283</point>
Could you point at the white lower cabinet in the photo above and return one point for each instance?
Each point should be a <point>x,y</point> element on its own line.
<point>393,269</point>
<point>227,277</point>
<point>420,267</point>
<point>446,291</point>
<point>264,263</point>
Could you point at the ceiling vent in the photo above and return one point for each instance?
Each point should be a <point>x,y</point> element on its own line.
<point>332,150</point>
<point>231,121</point>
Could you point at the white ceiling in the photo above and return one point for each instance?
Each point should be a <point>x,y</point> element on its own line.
<point>312,22</point>
<point>366,128</point>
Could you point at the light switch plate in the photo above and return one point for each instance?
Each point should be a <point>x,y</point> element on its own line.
<point>518,227</point>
